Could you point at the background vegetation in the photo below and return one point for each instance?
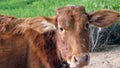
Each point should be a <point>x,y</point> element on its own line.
<point>31,8</point>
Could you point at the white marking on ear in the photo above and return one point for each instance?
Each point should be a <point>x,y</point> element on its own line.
<point>100,29</point>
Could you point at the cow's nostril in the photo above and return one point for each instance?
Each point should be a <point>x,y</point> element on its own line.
<point>75,59</point>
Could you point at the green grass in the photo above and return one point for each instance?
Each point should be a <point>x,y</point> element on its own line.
<point>31,8</point>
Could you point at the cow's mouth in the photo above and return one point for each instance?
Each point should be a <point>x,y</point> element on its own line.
<point>73,65</point>
<point>77,65</point>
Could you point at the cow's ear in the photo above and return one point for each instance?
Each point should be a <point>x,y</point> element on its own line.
<point>43,24</point>
<point>104,18</point>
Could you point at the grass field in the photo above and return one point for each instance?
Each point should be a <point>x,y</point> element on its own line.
<point>31,8</point>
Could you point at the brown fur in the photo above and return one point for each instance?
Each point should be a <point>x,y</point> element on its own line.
<point>7,23</point>
<point>30,49</point>
<point>43,42</point>
<point>43,48</point>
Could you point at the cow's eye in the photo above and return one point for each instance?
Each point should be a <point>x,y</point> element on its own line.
<point>87,25</point>
<point>61,29</point>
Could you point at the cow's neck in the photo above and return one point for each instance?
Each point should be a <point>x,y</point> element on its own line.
<point>45,45</point>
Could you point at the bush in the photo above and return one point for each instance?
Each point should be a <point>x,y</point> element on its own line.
<point>105,37</point>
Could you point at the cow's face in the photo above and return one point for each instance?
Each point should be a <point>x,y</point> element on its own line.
<point>73,32</point>
<point>73,35</point>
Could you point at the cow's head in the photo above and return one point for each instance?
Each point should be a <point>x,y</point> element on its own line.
<point>73,32</point>
<point>71,25</point>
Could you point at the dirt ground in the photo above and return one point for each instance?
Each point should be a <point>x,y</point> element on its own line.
<point>108,58</point>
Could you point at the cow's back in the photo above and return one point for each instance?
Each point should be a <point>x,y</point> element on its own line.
<point>8,23</point>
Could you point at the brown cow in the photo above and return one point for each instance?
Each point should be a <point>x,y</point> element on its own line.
<point>36,43</point>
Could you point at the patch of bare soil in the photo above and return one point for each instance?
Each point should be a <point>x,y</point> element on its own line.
<point>108,58</point>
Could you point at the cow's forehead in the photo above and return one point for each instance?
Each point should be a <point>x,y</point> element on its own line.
<point>69,15</point>
<point>70,10</point>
